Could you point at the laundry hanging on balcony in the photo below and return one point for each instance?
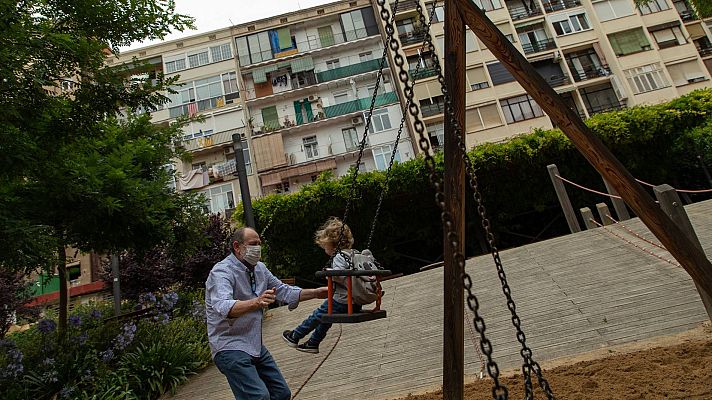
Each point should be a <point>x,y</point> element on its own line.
<point>195,179</point>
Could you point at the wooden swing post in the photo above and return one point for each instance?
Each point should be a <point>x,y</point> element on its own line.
<point>670,235</point>
<point>454,180</point>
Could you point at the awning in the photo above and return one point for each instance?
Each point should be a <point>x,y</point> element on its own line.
<point>302,64</point>
<point>259,75</point>
<point>696,31</point>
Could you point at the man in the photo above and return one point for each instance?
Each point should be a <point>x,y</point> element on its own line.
<point>236,293</point>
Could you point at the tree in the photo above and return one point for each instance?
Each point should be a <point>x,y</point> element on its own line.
<point>73,171</point>
<point>15,291</point>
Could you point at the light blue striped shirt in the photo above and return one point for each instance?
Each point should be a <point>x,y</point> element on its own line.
<point>229,282</point>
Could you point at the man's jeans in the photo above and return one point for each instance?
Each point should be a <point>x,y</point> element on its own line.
<point>313,322</point>
<point>252,378</point>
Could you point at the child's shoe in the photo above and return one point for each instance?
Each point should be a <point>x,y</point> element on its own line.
<point>308,347</point>
<point>291,342</point>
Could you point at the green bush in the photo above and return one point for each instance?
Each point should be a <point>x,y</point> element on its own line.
<point>658,144</point>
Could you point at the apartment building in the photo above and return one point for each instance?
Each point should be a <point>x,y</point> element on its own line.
<point>599,55</point>
<point>296,87</point>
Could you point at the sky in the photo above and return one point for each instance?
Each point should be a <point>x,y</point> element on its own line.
<point>216,14</point>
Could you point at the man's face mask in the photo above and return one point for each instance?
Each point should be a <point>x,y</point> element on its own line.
<point>252,254</point>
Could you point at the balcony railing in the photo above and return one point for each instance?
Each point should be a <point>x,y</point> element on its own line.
<point>687,15</point>
<point>215,139</point>
<point>410,38</point>
<point>521,12</point>
<point>540,45</point>
<point>202,105</point>
<point>359,105</point>
<point>428,110</point>
<point>591,73</point>
<point>704,51</point>
<point>558,80</point>
<point>423,73</point>
<point>349,70</point>
<point>311,44</point>
<point>601,108</point>
<point>406,5</point>
<point>558,5</point>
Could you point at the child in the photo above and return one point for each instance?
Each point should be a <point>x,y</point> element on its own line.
<point>327,237</point>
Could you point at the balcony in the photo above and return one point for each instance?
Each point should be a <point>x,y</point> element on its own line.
<point>558,5</point>
<point>704,51</point>
<point>353,106</point>
<point>405,5</point>
<point>423,73</point>
<point>539,45</point>
<point>558,80</point>
<point>521,12</point>
<point>195,107</point>
<point>590,72</point>
<point>349,70</point>
<point>411,38</point>
<point>428,110</point>
<point>601,108</point>
<point>308,46</point>
<point>214,140</point>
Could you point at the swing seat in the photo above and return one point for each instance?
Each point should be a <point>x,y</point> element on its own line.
<point>352,317</point>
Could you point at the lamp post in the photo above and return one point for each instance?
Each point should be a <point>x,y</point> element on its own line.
<point>241,172</point>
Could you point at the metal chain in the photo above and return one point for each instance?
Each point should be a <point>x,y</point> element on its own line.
<point>395,146</point>
<point>499,391</point>
<point>526,352</point>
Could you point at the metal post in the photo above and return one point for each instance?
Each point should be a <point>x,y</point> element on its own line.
<point>563,197</point>
<point>117,284</point>
<point>671,205</point>
<point>454,180</point>
<point>242,177</point>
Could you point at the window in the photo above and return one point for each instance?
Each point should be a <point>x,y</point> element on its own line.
<point>254,48</point>
<point>612,9</point>
<point>488,5</point>
<point>476,78</point>
<point>646,78</point>
<point>382,156</point>
<point>342,97</point>
<point>332,64</point>
<point>405,27</point>
<point>483,117</point>
<point>499,74</point>
<point>441,44</point>
<point>282,187</point>
<point>363,57</point>
<point>203,94</point>
<point>566,24</point>
<point>229,80</point>
<point>221,52</point>
<point>437,135</point>
<point>629,42</point>
<point>667,35</point>
<point>653,6</point>
<point>686,73</point>
<point>520,108</point>
<point>359,23</point>
<point>219,198</point>
<point>201,166</point>
<point>470,42</point>
<point>311,148</point>
<point>380,121</point>
<point>439,15</point>
<point>350,138</point>
<point>198,134</point>
<point>175,63</point>
<point>198,59</point>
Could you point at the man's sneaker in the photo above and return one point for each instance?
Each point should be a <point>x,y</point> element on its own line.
<point>308,347</point>
<point>287,336</point>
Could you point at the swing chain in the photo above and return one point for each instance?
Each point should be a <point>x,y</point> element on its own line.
<point>499,391</point>
<point>395,146</point>
<point>526,352</point>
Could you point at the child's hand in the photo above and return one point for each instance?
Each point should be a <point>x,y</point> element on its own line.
<point>322,292</point>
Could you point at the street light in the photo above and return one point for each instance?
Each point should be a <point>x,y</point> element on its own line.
<point>241,173</point>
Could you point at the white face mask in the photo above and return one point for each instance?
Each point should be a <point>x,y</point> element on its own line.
<point>252,254</point>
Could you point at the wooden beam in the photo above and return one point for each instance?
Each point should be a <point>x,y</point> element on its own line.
<point>589,145</point>
<point>453,328</point>
<point>563,197</point>
<point>618,204</point>
<point>587,216</point>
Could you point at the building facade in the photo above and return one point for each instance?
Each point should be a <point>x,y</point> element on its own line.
<point>599,55</point>
<point>297,87</point>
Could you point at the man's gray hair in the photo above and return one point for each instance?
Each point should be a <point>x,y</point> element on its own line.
<point>239,235</point>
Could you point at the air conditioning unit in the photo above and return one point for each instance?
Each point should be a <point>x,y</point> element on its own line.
<point>229,150</point>
<point>292,159</point>
<point>357,120</point>
<point>313,97</point>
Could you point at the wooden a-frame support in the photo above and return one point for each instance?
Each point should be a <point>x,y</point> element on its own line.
<point>459,13</point>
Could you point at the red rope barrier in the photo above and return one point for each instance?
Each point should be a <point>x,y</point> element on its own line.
<point>667,260</point>
<point>588,189</point>
<point>677,190</point>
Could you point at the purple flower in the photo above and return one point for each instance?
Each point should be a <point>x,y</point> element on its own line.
<point>128,331</point>
<point>96,314</point>
<point>66,392</point>
<point>13,357</point>
<point>75,320</point>
<point>46,326</point>
<point>169,300</point>
<point>82,338</point>
<point>107,355</point>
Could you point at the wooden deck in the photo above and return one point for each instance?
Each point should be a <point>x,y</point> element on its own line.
<point>574,293</point>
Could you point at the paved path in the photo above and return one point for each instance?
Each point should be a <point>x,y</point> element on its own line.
<point>574,293</point>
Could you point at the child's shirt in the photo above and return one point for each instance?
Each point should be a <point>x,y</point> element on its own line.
<point>340,292</point>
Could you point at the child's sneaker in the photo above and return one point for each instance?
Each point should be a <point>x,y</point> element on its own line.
<point>308,347</point>
<point>287,336</point>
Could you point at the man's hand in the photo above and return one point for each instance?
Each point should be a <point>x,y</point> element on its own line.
<point>266,298</point>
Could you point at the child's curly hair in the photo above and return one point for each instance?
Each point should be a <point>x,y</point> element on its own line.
<point>329,233</point>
